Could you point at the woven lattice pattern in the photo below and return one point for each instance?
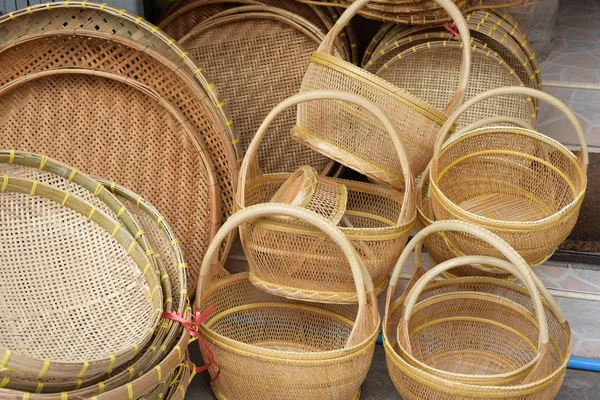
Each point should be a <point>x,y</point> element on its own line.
<point>255,328</point>
<point>258,63</point>
<point>431,72</point>
<point>515,176</point>
<point>414,383</point>
<point>78,278</point>
<point>294,256</point>
<point>73,131</point>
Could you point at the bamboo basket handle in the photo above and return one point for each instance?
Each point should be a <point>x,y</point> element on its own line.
<point>327,46</point>
<point>362,280</point>
<point>583,156</point>
<point>480,233</point>
<point>408,204</point>
<point>519,271</point>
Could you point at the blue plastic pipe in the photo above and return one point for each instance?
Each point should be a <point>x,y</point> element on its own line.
<point>583,364</point>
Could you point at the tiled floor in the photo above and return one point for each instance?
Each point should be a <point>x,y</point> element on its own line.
<point>575,57</point>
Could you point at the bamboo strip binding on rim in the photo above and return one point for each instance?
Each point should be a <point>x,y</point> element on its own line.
<point>295,260</point>
<point>331,359</point>
<point>353,138</point>
<point>109,253</point>
<point>534,207</point>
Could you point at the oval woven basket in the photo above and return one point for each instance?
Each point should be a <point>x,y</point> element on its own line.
<point>377,220</point>
<point>270,51</point>
<point>518,183</point>
<point>413,382</point>
<point>482,339</point>
<point>354,139</point>
<point>78,245</point>
<point>64,177</point>
<point>431,70</point>
<point>271,358</point>
<point>100,38</point>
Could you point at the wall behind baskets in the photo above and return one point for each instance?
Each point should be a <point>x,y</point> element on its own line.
<point>135,6</point>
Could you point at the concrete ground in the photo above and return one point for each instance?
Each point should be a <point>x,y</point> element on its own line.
<point>578,385</point>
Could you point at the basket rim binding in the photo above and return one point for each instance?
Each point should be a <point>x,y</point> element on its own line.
<point>582,160</point>
<point>45,367</point>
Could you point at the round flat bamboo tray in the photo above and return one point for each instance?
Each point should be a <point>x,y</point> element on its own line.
<point>293,259</point>
<point>329,359</point>
<point>64,177</point>
<point>518,183</point>
<point>87,255</point>
<point>412,382</point>
<point>101,38</point>
<point>345,134</point>
<point>270,51</point>
<point>431,70</point>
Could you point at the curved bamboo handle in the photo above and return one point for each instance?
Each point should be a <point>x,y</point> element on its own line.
<point>327,45</point>
<point>553,101</point>
<point>480,233</point>
<point>519,271</point>
<point>408,207</point>
<point>362,278</point>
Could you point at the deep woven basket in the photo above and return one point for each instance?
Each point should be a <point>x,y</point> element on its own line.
<point>101,39</point>
<point>293,259</point>
<point>291,350</point>
<point>345,134</point>
<point>101,280</point>
<point>414,382</point>
<point>518,183</point>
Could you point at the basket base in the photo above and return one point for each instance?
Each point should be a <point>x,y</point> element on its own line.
<point>220,396</point>
<point>504,207</point>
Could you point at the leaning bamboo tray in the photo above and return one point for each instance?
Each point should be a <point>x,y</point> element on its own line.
<point>158,64</point>
<point>64,177</point>
<point>377,220</point>
<point>431,70</point>
<point>354,139</point>
<point>529,192</point>
<point>296,350</point>
<point>270,50</point>
<point>87,254</point>
<point>413,382</point>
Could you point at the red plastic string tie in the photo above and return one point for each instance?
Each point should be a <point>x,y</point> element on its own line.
<point>452,29</point>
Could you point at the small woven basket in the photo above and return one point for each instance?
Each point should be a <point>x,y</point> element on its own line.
<point>84,254</point>
<point>346,134</point>
<point>269,347</point>
<point>518,183</point>
<point>377,220</point>
<point>415,380</point>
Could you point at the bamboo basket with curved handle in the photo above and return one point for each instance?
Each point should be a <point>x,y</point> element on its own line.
<point>255,336</point>
<point>350,136</point>
<point>481,338</point>
<point>84,253</point>
<point>518,183</point>
<point>438,250</point>
<point>414,382</point>
<point>377,221</point>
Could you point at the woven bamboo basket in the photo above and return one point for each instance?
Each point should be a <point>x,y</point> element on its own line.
<point>64,177</point>
<point>430,71</point>
<point>414,382</point>
<point>481,338</point>
<point>347,36</point>
<point>293,350</point>
<point>179,386</point>
<point>438,250</point>
<point>270,49</point>
<point>50,223</point>
<point>349,136</point>
<point>377,220</point>
<point>76,35</point>
<point>484,31</point>
<point>518,183</point>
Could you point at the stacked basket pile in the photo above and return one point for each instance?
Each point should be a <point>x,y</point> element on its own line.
<point>243,121</point>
